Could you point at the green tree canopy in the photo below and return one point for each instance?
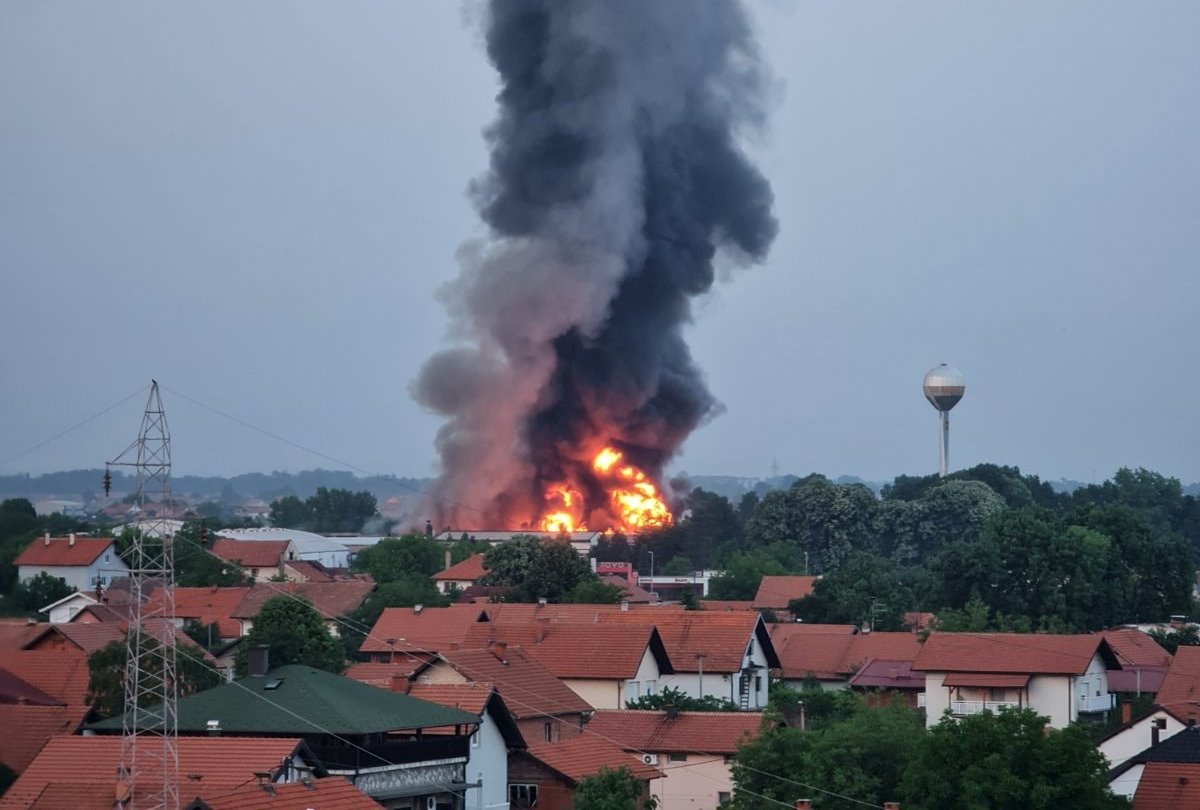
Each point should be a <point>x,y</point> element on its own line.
<point>37,592</point>
<point>294,633</point>
<point>865,589</point>
<point>394,558</point>
<point>535,568</point>
<point>594,592</point>
<point>672,698</point>
<point>612,790</point>
<point>745,570</point>
<point>326,510</point>
<point>106,674</point>
<point>824,519</point>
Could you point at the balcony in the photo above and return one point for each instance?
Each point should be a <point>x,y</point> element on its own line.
<point>962,708</point>
<point>1099,703</point>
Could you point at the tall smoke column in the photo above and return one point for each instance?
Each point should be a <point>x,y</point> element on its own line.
<point>615,180</point>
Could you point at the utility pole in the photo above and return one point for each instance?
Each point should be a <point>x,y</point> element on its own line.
<point>148,773</point>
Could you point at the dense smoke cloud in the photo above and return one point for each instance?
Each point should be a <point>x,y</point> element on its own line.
<point>615,179</point>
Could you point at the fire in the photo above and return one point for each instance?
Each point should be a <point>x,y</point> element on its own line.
<point>634,503</point>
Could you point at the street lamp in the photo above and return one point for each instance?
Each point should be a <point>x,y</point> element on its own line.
<point>652,574</point>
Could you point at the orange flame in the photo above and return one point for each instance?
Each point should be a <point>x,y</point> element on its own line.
<point>634,502</point>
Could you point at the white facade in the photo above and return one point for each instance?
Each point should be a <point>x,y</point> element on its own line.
<point>107,567</point>
<point>488,765</point>
<point>1136,737</point>
<point>327,551</point>
<point>726,685</point>
<point>602,693</point>
<point>1060,698</point>
<point>64,609</point>
<point>695,781</point>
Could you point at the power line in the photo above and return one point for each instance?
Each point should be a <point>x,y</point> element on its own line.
<point>74,427</point>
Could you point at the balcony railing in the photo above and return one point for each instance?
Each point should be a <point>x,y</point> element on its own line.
<point>342,757</point>
<point>962,708</point>
<point>1101,703</point>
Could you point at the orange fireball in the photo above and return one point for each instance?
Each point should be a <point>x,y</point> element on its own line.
<point>634,503</point>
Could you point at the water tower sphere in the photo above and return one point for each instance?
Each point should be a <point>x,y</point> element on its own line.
<point>944,387</point>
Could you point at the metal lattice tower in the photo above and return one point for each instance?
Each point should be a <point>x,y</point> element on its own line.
<point>148,774</point>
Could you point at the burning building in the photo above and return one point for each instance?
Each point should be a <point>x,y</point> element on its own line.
<point>616,184</point>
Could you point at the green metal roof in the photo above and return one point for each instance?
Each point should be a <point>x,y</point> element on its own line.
<point>302,701</point>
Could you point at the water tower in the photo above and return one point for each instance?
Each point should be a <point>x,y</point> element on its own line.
<point>944,386</point>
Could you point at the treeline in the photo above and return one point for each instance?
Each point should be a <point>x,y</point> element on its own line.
<point>984,548</point>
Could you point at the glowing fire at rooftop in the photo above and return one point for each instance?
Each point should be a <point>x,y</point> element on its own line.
<point>633,500</point>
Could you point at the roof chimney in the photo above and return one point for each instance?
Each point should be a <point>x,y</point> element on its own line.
<point>891,806</point>
<point>258,660</point>
<point>499,648</point>
<point>624,605</point>
<point>803,804</point>
<point>46,539</point>
<point>418,608</point>
<point>447,565</point>
<point>71,539</point>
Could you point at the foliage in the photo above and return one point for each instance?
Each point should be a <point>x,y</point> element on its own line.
<point>535,569</point>
<point>745,570</point>
<point>19,525</point>
<point>822,519</point>
<point>612,790</point>
<point>1006,760</point>
<point>1172,640</point>
<point>595,592</point>
<point>207,636</point>
<point>672,698</point>
<point>812,706</point>
<point>37,592</point>
<point>394,558</point>
<point>688,600</point>
<point>196,566</point>
<point>327,510</point>
<point>7,777</point>
<point>953,510</point>
<point>294,633</point>
<point>678,566</point>
<point>866,589</point>
<point>106,674</point>
<point>404,592</point>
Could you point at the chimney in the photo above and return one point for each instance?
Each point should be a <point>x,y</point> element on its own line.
<point>418,608</point>
<point>258,660</point>
<point>1154,733</point>
<point>541,601</point>
<point>429,529</point>
<point>803,804</point>
<point>891,806</point>
<point>499,648</point>
<point>71,539</point>
<point>46,540</point>
<point>624,606</point>
<point>1126,713</point>
<point>447,566</point>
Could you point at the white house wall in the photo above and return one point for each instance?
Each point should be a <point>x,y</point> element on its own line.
<point>107,566</point>
<point>1137,737</point>
<point>1127,783</point>
<point>488,764</point>
<point>695,784</point>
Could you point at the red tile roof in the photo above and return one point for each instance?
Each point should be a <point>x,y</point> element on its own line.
<point>430,629</point>
<point>14,633</point>
<point>62,551</point>
<point>1028,653</point>
<point>331,793</point>
<point>523,612</point>
<point>570,650</point>
<point>251,553</point>
<point>27,728</point>
<point>880,673</point>
<point>782,631</point>
<point>656,732</point>
<point>62,674</point>
<point>774,593</point>
<point>469,569</point>
<point>219,762</point>
<point>835,656</point>
<point>13,690</point>
<point>1136,679</point>
<point>210,605</point>
<point>384,675</point>
<point>630,592</point>
<point>1135,648</point>
<point>719,639</point>
<point>470,697</point>
<point>1168,786</point>
<point>87,637</point>
<point>528,688</point>
<point>330,599</point>
<point>312,571</point>
<point>586,754</point>
<point>986,680</point>
<point>725,604</point>
<point>1182,685</point>
<point>56,796</point>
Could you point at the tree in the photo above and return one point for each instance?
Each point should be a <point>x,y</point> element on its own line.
<point>866,589</point>
<point>196,566</point>
<point>37,592</point>
<point>294,633</point>
<point>823,519</point>
<point>954,510</point>
<point>106,674</point>
<point>394,558</point>
<point>672,698</point>
<point>595,592</point>
<point>744,572</point>
<point>678,566</point>
<point>1171,641</point>
<point>1007,760</point>
<point>535,569</point>
<point>327,510</point>
<point>289,512</point>
<point>612,790</point>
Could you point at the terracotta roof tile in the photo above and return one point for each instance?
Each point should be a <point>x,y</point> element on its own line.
<point>528,688</point>
<point>720,638</point>
<point>56,796</point>
<point>782,631</point>
<point>656,732</point>
<point>310,571</point>
<point>725,604</point>
<point>14,634</point>
<point>879,673</point>
<point>586,754</point>
<point>331,793</point>
<point>1182,685</point>
<point>1135,648</point>
<point>471,568</point>
<point>87,637</point>
<point>569,650</point>
<point>221,762</point>
<point>430,629</point>
<point>630,592</point>
<point>14,690</point>
<point>1028,653</point>
<point>330,599</point>
<point>251,553</point>
<point>61,551</point>
<point>62,674</point>
<point>835,656</point>
<point>470,697</point>
<point>1168,786</point>
<point>384,674</point>
<point>774,593</point>
<point>27,728</point>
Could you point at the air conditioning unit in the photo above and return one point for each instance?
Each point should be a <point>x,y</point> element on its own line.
<point>650,759</point>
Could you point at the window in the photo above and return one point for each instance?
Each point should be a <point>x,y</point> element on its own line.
<point>651,686</point>
<point>724,797</point>
<point>676,757</point>
<point>523,795</point>
<point>996,695</point>
<point>758,683</point>
<point>107,557</point>
<point>633,690</point>
<point>475,739</point>
<point>548,731</point>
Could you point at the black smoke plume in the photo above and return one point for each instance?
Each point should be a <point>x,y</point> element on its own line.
<point>616,179</point>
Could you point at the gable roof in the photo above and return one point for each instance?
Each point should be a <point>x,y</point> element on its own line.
<point>251,553</point>
<point>62,674</point>
<point>15,632</point>
<point>658,731</point>
<point>1136,649</point>
<point>1181,687</point>
<point>87,637</point>
<point>384,675</point>
<point>725,604</point>
<point>469,569</point>
<point>77,596</point>
<point>303,701</point>
<point>1168,786</point>
<point>91,763</point>
<point>630,591</point>
<point>528,688</point>
<point>585,754</point>
<point>27,728</point>
<point>433,629</point>
<point>207,605</point>
<point>835,656</point>
<point>330,599</point>
<point>880,673</point>
<point>1027,653</point>
<point>14,690</point>
<point>330,793</point>
<point>475,698</point>
<point>719,639</point>
<point>66,551</point>
<point>775,592</point>
<point>569,650</point>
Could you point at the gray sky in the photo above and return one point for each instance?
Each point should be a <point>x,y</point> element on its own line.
<point>256,203</point>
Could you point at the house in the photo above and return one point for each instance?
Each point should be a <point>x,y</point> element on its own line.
<point>312,571</point>
<point>460,575</point>
<point>631,592</point>
<point>65,609</point>
<point>331,792</point>
<point>30,717</point>
<point>545,775</point>
<point>723,655</point>
<point>832,658</point>
<point>1144,663</point>
<point>1136,736</point>
<point>313,547</point>
<point>691,749</point>
<point>73,771</point>
<point>260,560</point>
<point>487,767</point>
<point>83,562</point>
<point>1181,749</point>
<point>777,592</point>
<point>420,629</point>
<point>881,680</point>
<point>605,664</point>
<point>1168,786</point>
<point>1057,676</point>
<point>331,600</point>
<point>545,709</point>
<point>211,607</point>
<point>372,737</point>
<point>1180,690</point>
